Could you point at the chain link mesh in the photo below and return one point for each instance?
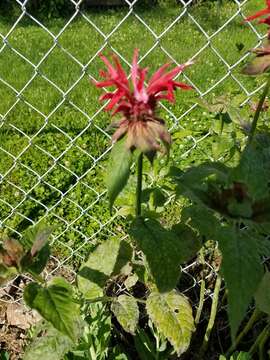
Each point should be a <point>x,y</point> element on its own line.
<point>15,198</point>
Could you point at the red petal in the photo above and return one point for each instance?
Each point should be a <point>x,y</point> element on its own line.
<point>111,69</point>
<point>182,85</point>
<point>258,14</point>
<point>158,73</point>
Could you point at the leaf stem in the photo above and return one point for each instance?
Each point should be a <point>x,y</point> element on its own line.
<point>254,317</point>
<point>258,111</point>
<point>212,317</point>
<point>261,339</point>
<point>139,185</point>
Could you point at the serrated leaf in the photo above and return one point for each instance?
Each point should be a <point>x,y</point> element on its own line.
<point>119,170</point>
<point>262,296</point>
<point>162,250</point>
<point>172,315</point>
<point>56,305</point>
<point>242,270</point>
<point>126,311</point>
<point>52,345</point>
<point>108,258</point>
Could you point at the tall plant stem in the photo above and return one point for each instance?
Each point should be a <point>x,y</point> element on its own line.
<point>202,290</point>
<point>258,110</point>
<point>212,318</point>
<point>139,185</point>
<point>254,317</point>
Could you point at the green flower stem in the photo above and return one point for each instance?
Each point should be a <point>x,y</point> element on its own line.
<point>258,111</point>
<point>254,317</point>
<point>139,186</point>
<point>202,291</point>
<point>261,339</point>
<point>212,318</point>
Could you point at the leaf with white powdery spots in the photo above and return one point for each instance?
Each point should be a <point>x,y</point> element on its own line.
<point>126,311</point>
<point>172,315</point>
<point>108,258</point>
<point>56,305</point>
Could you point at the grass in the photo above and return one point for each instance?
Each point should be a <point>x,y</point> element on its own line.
<point>52,145</point>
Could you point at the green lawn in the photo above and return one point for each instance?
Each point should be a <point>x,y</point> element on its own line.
<point>55,138</point>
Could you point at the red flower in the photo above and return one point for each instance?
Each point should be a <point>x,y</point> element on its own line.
<point>261,13</point>
<point>138,103</point>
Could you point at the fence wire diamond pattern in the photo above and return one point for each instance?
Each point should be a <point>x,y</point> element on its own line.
<point>14,198</point>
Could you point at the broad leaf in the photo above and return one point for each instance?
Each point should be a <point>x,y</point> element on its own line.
<point>189,241</point>
<point>242,269</point>
<point>194,182</point>
<point>56,305</point>
<point>255,160</point>
<point>262,295</point>
<point>35,242</point>
<point>172,315</point>
<point>202,219</point>
<point>51,345</point>
<point>119,170</point>
<point>126,311</point>
<point>162,249</point>
<point>107,259</point>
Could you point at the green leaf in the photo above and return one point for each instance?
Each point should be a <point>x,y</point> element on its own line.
<point>119,170</point>
<point>162,250</point>
<point>172,315</point>
<point>108,258</point>
<point>202,219</point>
<point>188,240</point>
<point>35,240</point>
<point>255,160</point>
<point>262,295</point>
<point>56,305</point>
<point>126,311</point>
<point>144,346</point>
<point>51,345</point>
<point>242,269</point>
<point>194,182</point>
<point>6,274</point>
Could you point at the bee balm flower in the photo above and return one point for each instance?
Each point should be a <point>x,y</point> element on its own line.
<point>138,103</point>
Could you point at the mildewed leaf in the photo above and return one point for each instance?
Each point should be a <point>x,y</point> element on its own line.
<point>126,311</point>
<point>56,305</point>
<point>52,345</point>
<point>172,315</point>
<point>262,295</point>
<point>119,170</point>
<point>162,249</point>
<point>242,269</point>
<point>108,258</point>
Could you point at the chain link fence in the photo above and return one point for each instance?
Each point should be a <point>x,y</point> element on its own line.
<point>81,219</point>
